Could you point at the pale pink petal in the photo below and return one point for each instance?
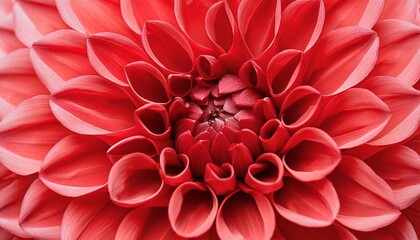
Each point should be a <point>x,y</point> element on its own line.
<point>27,134</point>
<point>367,203</point>
<point>34,20</point>
<point>77,106</point>
<point>245,215</point>
<point>192,209</point>
<point>5,108</point>
<point>92,216</point>
<point>221,179</point>
<point>6,14</point>
<point>59,56</point>
<point>265,175</point>
<point>8,42</point>
<point>132,144</point>
<point>346,55</point>
<point>399,50</point>
<point>400,229</point>
<point>75,166</point>
<point>152,121</point>
<point>354,117</point>
<point>310,154</point>
<point>174,168</point>
<point>406,10</point>
<point>273,136</point>
<point>42,211</point>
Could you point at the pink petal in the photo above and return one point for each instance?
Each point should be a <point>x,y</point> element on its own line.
<point>6,14</point>
<point>399,167</point>
<point>199,156</point>
<point>340,13</point>
<point>406,10</point>
<point>92,217</point>
<point>354,117</point>
<point>192,209</point>
<point>27,134</point>
<point>135,180</point>
<point>209,67</point>
<point>174,168</point>
<point>404,103</point>
<point>241,158</point>
<point>148,83</point>
<point>59,56</point>
<point>18,81</point>
<point>311,204</point>
<point>76,106</point>
<point>42,211</point>
<point>367,203</point>
<point>75,166</point>
<point>230,84</point>
<point>222,180</point>
<point>153,121</point>
<point>346,55</point>
<point>104,52</point>
<point>310,154</point>
<point>273,136</point>
<point>245,215</point>
<point>399,50</point>
<point>246,98</point>
<point>146,223</point>
<point>132,144</point>
<point>8,42</point>
<point>265,175</point>
<point>167,47</point>
<point>180,84</point>
<point>400,229</point>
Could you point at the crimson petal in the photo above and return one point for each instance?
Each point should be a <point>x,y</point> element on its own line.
<point>273,136</point>
<point>265,175</point>
<point>221,179</point>
<point>153,121</point>
<point>241,158</point>
<point>132,144</point>
<point>174,168</point>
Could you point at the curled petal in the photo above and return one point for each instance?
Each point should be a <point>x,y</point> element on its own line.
<point>199,156</point>
<point>27,134</point>
<point>245,215</point>
<point>265,175</point>
<point>253,75</point>
<point>311,204</point>
<point>135,180</point>
<point>192,209</point>
<point>133,144</point>
<point>146,223</point>
<point>222,180</point>
<point>153,121</point>
<point>104,51</point>
<point>241,158</point>
<point>92,217</point>
<point>76,106</point>
<point>310,154</point>
<point>42,211</point>
<point>354,117</point>
<point>174,168</point>
<point>250,141</point>
<point>367,203</point>
<point>265,107</point>
<point>177,109</point>
<point>8,42</point>
<point>209,67</point>
<point>167,47</point>
<point>273,136</point>
<point>180,84</point>
<point>406,10</point>
<point>75,166</point>
<point>402,228</point>
<point>346,55</point>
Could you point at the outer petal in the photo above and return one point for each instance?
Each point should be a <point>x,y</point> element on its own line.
<point>354,117</point>
<point>34,20</point>
<point>27,134</point>
<point>77,106</point>
<point>133,144</point>
<point>400,229</point>
<point>42,211</point>
<point>404,103</point>
<point>367,203</point>
<point>192,209</point>
<point>59,56</point>
<point>406,10</point>
<point>245,215</point>
<point>346,55</point>
<point>92,217</point>
<point>399,50</point>
<point>8,42</point>
<point>76,165</point>
<point>413,214</point>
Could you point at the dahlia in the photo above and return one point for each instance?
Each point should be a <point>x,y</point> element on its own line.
<point>209,119</point>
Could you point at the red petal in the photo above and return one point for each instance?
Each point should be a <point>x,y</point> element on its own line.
<point>346,55</point>
<point>27,134</point>
<point>354,117</point>
<point>265,175</point>
<point>273,136</point>
<point>42,211</point>
<point>310,154</point>
<point>400,229</point>
<point>192,209</point>
<point>253,75</point>
<point>366,201</point>
<point>180,84</point>
<point>76,165</point>
<point>406,10</point>
<point>250,141</point>
<point>174,168</point>
<point>412,213</point>
<point>219,149</point>
<point>209,67</point>
<point>245,215</point>
<point>199,156</point>
<point>221,179</point>
<point>230,84</point>
<point>265,107</point>
<point>6,16</point>
<point>104,51</point>
<point>92,105</point>
<point>241,158</point>
<point>153,121</point>
<point>132,144</point>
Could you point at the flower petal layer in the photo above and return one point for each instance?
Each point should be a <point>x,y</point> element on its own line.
<point>222,180</point>
<point>266,174</point>
<point>8,42</point>
<point>153,121</point>
<point>400,229</point>
<point>273,136</point>
<point>406,10</point>
<point>132,144</point>
<point>174,168</point>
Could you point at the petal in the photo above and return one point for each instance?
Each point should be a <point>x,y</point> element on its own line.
<point>92,217</point>
<point>167,47</point>
<point>192,209</point>
<point>346,55</point>
<point>222,180</point>
<point>265,175</point>
<point>253,75</point>
<point>8,42</point>
<point>6,16</point>
<point>27,134</point>
<point>406,10</point>
<point>229,84</point>
<point>132,144</point>
<point>146,223</point>
<point>174,168</point>
<point>366,201</point>
<point>310,154</point>
<point>311,204</point>
<point>104,51</point>
<point>75,166</point>
<point>354,117</point>
<point>220,149</point>
<point>273,136</point>
<point>412,213</point>
<point>209,67</point>
<point>180,84</point>
<point>153,121</point>
<point>42,211</point>
<point>59,56</point>
<point>77,106</point>
<point>251,141</point>
<point>404,103</point>
<point>135,180</point>
<point>199,156</point>
<point>399,50</point>
<point>245,215</point>
<point>241,158</point>
<point>400,229</point>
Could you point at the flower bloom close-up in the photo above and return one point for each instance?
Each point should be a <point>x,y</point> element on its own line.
<point>209,119</point>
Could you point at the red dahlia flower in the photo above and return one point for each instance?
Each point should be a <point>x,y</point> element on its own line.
<point>208,119</point>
